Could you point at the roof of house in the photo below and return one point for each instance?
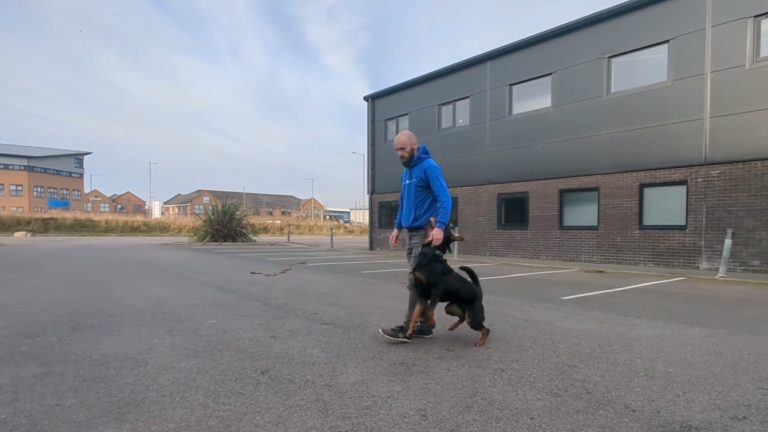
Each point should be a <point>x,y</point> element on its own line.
<point>126,194</point>
<point>30,151</point>
<point>252,200</point>
<point>592,19</point>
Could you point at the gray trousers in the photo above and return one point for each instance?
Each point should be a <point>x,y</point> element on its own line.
<point>415,239</point>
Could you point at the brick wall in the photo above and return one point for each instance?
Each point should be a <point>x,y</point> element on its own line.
<point>719,196</point>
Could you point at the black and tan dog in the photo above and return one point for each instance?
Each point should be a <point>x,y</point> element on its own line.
<point>436,282</point>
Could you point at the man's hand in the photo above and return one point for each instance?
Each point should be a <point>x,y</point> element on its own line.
<point>394,237</point>
<point>436,237</point>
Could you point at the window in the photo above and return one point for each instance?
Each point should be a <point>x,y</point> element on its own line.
<point>2,189</point>
<point>77,195</point>
<point>89,207</point>
<point>17,190</point>
<point>104,207</point>
<point>513,210</point>
<point>199,209</point>
<point>138,208</point>
<point>396,125</point>
<point>17,209</point>
<point>579,208</point>
<point>64,194</point>
<point>664,205</point>
<point>532,95</point>
<point>761,38</point>
<point>640,68</point>
<point>53,193</point>
<point>121,208</point>
<point>206,200</point>
<point>39,192</point>
<point>454,114</point>
<point>388,213</point>
<point>79,162</point>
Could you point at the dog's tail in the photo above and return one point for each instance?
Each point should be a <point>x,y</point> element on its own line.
<point>472,275</point>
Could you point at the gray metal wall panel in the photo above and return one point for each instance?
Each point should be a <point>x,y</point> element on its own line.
<point>499,103</point>
<point>444,89</point>
<point>423,122</point>
<point>739,90</point>
<point>14,160</point>
<point>729,45</point>
<point>477,108</point>
<point>629,32</point>
<point>680,102</point>
<point>739,137</point>
<point>578,83</point>
<point>66,163</point>
<point>688,55</point>
<point>729,10</point>
<point>458,141</point>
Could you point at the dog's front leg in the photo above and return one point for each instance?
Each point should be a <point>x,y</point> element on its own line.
<point>433,302</point>
<point>418,311</point>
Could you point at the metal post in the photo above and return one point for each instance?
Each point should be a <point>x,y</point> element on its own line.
<point>332,237</point>
<point>726,253</point>
<point>289,232</point>
<point>455,245</point>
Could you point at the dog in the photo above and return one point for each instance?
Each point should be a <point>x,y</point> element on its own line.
<point>436,281</point>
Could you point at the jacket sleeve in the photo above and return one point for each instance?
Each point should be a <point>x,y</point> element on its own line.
<point>440,189</point>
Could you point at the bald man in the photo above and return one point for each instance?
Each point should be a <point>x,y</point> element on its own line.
<point>424,195</point>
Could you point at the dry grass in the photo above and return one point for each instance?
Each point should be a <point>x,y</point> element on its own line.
<point>87,224</point>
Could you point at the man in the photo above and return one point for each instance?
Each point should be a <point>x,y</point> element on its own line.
<point>424,195</point>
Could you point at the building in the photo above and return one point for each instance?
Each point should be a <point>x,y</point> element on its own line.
<point>40,179</point>
<point>337,214</point>
<point>312,208</point>
<point>636,135</point>
<point>200,201</point>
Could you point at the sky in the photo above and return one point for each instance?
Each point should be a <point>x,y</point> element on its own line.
<point>257,95</point>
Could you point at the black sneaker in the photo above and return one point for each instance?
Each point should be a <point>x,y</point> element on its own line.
<point>423,332</point>
<point>396,334</point>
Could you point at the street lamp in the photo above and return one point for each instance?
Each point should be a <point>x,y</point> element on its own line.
<point>364,171</point>
<point>312,202</point>
<point>151,208</point>
<point>91,179</point>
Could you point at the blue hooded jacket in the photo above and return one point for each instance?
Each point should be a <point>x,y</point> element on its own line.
<point>424,194</point>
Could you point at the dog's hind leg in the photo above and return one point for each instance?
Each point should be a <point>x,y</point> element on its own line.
<point>454,310</point>
<point>476,318</point>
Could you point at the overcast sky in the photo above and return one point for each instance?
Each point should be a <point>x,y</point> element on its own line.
<point>228,95</point>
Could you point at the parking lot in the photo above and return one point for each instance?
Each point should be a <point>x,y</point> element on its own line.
<point>158,334</point>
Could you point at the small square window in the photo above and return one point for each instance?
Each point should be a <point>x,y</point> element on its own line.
<point>199,209</point>
<point>79,163</point>
<point>388,214</point>
<point>454,114</point>
<point>206,200</point>
<point>640,68</point>
<point>39,192</point>
<point>761,38</point>
<point>17,190</point>
<point>513,211</point>
<point>77,195</point>
<point>395,126</point>
<point>104,208</point>
<point>579,209</point>
<point>664,205</point>
<point>53,193</point>
<point>532,95</point>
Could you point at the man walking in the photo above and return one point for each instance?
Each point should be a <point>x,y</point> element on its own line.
<point>424,195</point>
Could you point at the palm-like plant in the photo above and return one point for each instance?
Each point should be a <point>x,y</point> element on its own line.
<point>224,223</point>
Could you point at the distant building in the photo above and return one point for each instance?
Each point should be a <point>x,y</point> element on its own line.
<point>200,201</point>
<point>312,208</point>
<point>127,203</point>
<point>40,179</point>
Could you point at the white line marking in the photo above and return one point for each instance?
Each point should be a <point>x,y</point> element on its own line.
<point>284,253</point>
<point>620,289</point>
<point>402,269</point>
<point>251,250</point>
<point>319,257</point>
<point>526,274</point>
<point>355,262</point>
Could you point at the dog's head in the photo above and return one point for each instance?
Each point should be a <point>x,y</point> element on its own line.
<point>448,238</point>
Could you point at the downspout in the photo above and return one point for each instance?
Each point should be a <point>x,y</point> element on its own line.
<point>370,172</point>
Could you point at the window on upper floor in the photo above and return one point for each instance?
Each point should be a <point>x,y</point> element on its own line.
<point>454,114</point>
<point>532,95</point>
<point>396,125</point>
<point>640,68</point>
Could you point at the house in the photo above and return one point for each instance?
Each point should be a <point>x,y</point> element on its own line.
<point>200,201</point>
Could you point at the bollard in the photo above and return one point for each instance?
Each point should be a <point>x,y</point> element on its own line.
<point>289,232</point>
<point>726,253</point>
<point>456,245</point>
<point>331,237</point>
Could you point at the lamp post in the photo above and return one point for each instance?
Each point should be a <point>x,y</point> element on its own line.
<point>364,170</point>
<point>151,208</point>
<point>91,179</point>
<point>312,200</point>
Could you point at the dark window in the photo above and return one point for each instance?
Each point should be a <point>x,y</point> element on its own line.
<point>664,205</point>
<point>579,208</point>
<point>138,208</point>
<point>388,213</point>
<point>513,210</point>
<point>121,208</point>
<point>79,162</point>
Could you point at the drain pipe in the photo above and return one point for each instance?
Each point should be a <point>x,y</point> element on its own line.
<point>726,253</point>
